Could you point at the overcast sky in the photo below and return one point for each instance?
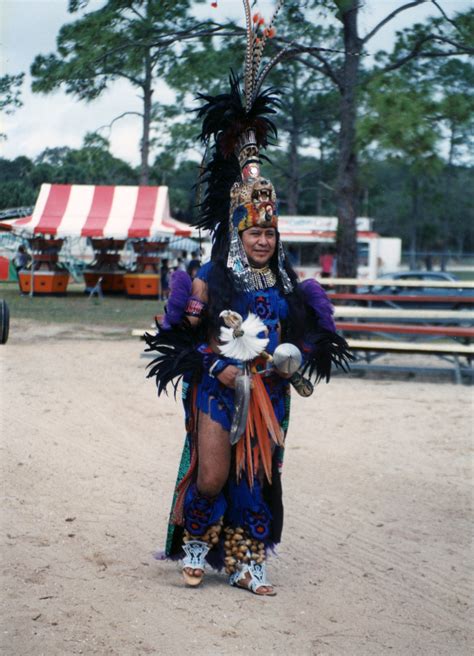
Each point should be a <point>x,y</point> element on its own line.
<point>30,27</point>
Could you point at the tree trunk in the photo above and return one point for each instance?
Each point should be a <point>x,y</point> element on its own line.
<point>319,182</point>
<point>145,142</point>
<point>346,185</point>
<point>294,163</point>
<point>294,179</point>
<point>414,222</point>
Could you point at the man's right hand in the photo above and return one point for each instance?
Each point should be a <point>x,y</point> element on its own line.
<point>228,375</point>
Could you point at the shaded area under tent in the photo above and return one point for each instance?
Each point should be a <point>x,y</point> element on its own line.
<point>114,236</point>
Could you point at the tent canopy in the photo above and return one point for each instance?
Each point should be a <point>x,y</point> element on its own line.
<point>118,212</point>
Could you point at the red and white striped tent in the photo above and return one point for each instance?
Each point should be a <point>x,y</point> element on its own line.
<point>118,212</point>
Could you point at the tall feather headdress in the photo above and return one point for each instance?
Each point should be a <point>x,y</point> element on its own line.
<point>236,126</point>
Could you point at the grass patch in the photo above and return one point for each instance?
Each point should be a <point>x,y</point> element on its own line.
<point>77,307</point>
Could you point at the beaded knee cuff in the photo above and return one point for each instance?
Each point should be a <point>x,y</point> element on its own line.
<point>202,512</point>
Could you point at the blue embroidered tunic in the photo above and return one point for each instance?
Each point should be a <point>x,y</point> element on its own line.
<point>270,306</point>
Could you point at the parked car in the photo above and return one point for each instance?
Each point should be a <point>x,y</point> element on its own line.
<point>430,292</point>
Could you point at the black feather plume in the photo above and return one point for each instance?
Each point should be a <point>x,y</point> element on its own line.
<point>328,348</point>
<point>224,119</point>
<point>218,176</point>
<point>177,355</point>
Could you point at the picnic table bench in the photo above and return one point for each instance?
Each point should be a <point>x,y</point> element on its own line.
<point>465,334</point>
<point>440,316</point>
<point>385,282</point>
<point>394,300</point>
<point>375,331</point>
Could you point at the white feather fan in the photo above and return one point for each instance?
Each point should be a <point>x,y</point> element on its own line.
<point>239,338</point>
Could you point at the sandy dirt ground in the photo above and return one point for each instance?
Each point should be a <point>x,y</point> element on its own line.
<point>375,555</point>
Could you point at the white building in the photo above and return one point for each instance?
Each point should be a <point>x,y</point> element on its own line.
<point>306,238</point>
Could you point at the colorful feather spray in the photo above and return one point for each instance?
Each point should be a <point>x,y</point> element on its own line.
<point>225,118</point>
<point>254,448</point>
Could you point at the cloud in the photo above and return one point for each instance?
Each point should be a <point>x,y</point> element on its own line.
<point>59,120</point>
<point>30,27</point>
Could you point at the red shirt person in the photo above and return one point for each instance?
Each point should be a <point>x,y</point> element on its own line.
<point>326,262</point>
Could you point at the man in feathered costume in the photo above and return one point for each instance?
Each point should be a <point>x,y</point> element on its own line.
<point>240,335</point>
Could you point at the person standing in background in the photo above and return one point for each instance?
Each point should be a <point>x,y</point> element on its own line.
<point>194,264</point>
<point>164,277</point>
<point>22,258</point>
<point>326,262</point>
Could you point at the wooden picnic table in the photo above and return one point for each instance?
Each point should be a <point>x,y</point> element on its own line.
<point>385,282</point>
